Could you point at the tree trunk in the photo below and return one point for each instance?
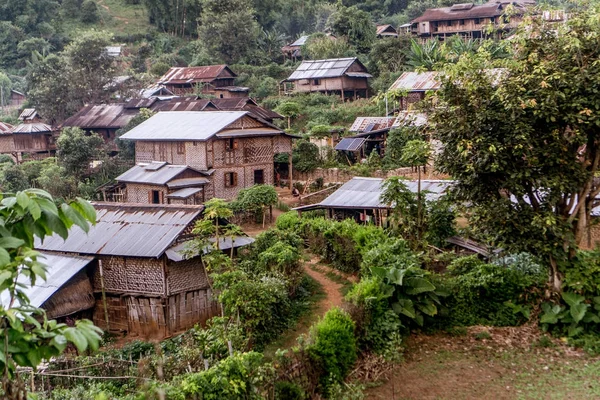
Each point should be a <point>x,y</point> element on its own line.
<point>555,277</point>
<point>419,207</point>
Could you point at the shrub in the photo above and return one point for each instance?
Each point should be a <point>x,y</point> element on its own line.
<point>288,391</point>
<point>583,276</point>
<point>290,221</point>
<point>333,346</point>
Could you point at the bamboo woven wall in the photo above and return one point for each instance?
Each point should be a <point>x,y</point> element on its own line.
<point>186,275</point>
<point>131,275</point>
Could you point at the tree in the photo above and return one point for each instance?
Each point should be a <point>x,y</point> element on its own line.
<point>320,46</point>
<point>258,198</point>
<point>215,211</point>
<point>356,25</point>
<point>524,144</point>
<point>229,29</point>
<point>305,156</point>
<point>76,150</point>
<point>28,336</point>
<point>5,87</point>
<point>388,55</point>
<point>289,109</point>
<point>89,12</point>
<point>127,147</point>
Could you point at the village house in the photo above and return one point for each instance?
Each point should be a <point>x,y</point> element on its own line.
<point>7,144</point>
<point>215,80</point>
<point>471,20</point>
<point>129,273</point>
<point>16,99</point>
<point>33,139</point>
<point>163,183</point>
<point>345,77</point>
<point>293,51</point>
<point>414,86</point>
<point>385,31</point>
<point>233,149</point>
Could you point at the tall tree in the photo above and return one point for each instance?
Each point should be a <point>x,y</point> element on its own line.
<point>76,150</point>
<point>356,25</point>
<point>229,29</point>
<point>524,143</point>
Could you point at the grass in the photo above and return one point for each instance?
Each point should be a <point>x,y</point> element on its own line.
<point>119,18</point>
<point>346,284</point>
<point>288,338</point>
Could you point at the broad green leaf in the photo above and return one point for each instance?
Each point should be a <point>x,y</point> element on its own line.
<point>405,307</point>
<point>574,330</point>
<point>428,308</point>
<point>396,276</point>
<point>75,217</point>
<point>86,209</point>
<point>418,285</point>
<point>59,342</point>
<point>4,276</point>
<point>74,336</point>
<point>578,312</point>
<point>572,298</point>
<point>23,200</point>
<point>34,357</point>
<point>11,242</point>
<point>378,271</point>
<point>549,318</point>
<point>4,257</point>
<point>56,224</point>
<point>34,210</point>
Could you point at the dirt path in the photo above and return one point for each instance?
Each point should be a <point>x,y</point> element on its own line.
<point>107,8</point>
<point>333,294</point>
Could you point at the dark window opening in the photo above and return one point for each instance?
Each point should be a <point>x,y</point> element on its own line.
<point>231,144</point>
<point>230,179</point>
<point>155,197</point>
<point>259,176</point>
<point>316,82</point>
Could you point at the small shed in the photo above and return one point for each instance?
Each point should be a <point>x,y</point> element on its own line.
<point>293,51</point>
<point>217,80</point>
<point>345,77</point>
<point>32,137</point>
<point>416,85</point>
<point>163,183</point>
<point>360,199</point>
<point>386,31</point>
<point>135,280</point>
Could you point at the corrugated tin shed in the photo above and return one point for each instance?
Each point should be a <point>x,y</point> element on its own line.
<point>330,68</point>
<point>364,193</point>
<point>61,268</point>
<point>207,73</point>
<point>190,125</point>
<point>33,127</point>
<point>5,128</point>
<point>386,30</point>
<point>493,8</point>
<point>127,230</point>
<point>417,81</point>
<point>154,173</point>
<point>28,114</point>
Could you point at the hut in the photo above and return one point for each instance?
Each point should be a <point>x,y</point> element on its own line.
<point>163,183</point>
<point>216,80</point>
<point>293,51</point>
<point>33,138</point>
<point>360,199</point>
<point>415,85</point>
<point>7,143</point>
<point>141,284</point>
<point>345,77</point>
<point>386,31</point>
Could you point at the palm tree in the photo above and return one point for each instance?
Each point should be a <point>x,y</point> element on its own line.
<point>426,55</point>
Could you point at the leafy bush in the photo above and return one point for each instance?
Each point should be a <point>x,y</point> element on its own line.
<point>583,276</point>
<point>241,376</point>
<point>492,294</point>
<point>333,346</point>
<point>290,221</point>
<point>288,391</point>
<point>390,253</point>
<point>578,316</point>
<point>377,326</point>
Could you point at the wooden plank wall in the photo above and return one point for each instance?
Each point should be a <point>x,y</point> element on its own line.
<point>190,308</point>
<point>146,317</point>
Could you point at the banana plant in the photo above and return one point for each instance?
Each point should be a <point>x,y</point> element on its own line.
<point>411,294</point>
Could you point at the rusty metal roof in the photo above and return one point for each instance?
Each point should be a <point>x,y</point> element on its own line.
<point>185,104</point>
<point>127,230</point>
<point>105,116</point>
<point>184,125</point>
<point>245,104</point>
<point>417,81</point>
<point>5,128</point>
<point>141,103</point>
<point>32,127</point>
<point>330,68</point>
<point>368,124</point>
<point>153,173</point>
<point>206,73</point>
<point>494,8</point>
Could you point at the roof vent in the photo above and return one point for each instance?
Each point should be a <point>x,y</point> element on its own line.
<point>461,7</point>
<point>154,166</point>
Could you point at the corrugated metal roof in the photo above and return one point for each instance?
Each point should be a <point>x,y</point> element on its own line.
<point>330,68</point>
<point>127,230</point>
<point>106,116</point>
<point>60,269</point>
<point>5,128</point>
<point>33,127</point>
<point>225,243</point>
<point>187,182</point>
<point>183,125</point>
<point>185,104</point>
<point>364,193</point>
<point>156,90</point>
<point>184,193</point>
<point>350,144</point>
<point>301,41</point>
<point>136,104</point>
<point>113,51</point>
<point>417,81</point>
<point>233,133</point>
<point>28,114</point>
<point>361,124</point>
<point>205,73</point>
<point>493,8</point>
<point>408,118</point>
<point>154,173</point>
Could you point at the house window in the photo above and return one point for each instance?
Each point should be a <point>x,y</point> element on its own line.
<point>180,147</point>
<point>449,23</point>
<point>476,21</point>
<point>492,20</point>
<point>155,196</point>
<point>259,176</point>
<point>231,144</point>
<point>461,22</point>
<point>230,179</point>
<point>221,95</point>
<point>316,82</point>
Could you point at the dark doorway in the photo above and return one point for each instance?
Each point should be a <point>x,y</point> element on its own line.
<point>155,197</point>
<point>259,177</point>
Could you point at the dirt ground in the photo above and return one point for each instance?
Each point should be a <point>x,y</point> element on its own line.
<point>490,363</point>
